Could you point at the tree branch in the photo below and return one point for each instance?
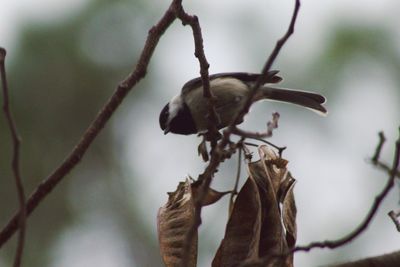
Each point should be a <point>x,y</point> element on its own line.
<point>271,59</point>
<point>271,125</point>
<point>386,260</point>
<point>364,224</point>
<point>75,156</point>
<point>21,219</point>
<point>378,149</point>
<point>395,218</point>
<point>375,157</point>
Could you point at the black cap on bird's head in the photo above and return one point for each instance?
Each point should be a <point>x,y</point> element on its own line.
<point>177,120</point>
<point>164,119</point>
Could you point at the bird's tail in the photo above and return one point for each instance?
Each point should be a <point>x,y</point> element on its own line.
<point>309,100</point>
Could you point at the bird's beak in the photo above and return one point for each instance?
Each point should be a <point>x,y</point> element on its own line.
<point>166,130</point>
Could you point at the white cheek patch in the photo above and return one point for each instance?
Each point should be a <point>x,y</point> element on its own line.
<point>174,106</point>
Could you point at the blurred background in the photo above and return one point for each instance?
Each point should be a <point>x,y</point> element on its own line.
<point>66,57</point>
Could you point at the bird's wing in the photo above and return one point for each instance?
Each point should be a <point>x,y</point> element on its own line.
<point>245,77</point>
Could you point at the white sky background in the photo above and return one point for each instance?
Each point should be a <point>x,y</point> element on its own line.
<point>327,155</point>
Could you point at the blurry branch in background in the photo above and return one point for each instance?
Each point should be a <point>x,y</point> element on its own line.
<point>386,260</point>
<point>375,159</point>
<point>378,200</point>
<point>378,149</point>
<point>15,161</point>
<point>74,157</point>
<point>217,155</point>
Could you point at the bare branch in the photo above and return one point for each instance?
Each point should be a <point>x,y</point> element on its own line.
<point>75,156</point>
<point>378,149</point>
<point>21,219</point>
<point>235,187</point>
<point>385,260</point>
<point>385,167</point>
<point>267,66</point>
<point>395,218</point>
<point>271,125</point>
<point>375,157</point>
<point>364,224</point>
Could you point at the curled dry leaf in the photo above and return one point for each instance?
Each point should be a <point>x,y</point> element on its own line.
<point>289,212</point>
<point>212,195</point>
<point>243,229</point>
<point>173,222</point>
<point>255,231</point>
<point>202,150</point>
<point>277,238</point>
<point>175,218</point>
<point>272,239</point>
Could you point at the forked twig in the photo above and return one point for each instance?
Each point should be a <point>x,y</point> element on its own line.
<point>15,161</point>
<point>235,187</point>
<point>271,125</point>
<point>395,218</point>
<point>373,210</point>
<point>375,158</point>
<point>378,149</point>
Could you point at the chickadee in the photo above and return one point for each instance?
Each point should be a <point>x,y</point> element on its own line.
<point>187,112</point>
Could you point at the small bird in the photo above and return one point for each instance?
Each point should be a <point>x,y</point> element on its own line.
<point>187,112</point>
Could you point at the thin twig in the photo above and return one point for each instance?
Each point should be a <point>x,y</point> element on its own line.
<point>385,167</point>
<point>248,155</point>
<point>235,187</point>
<point>271,125</point>
<point>395,218</point>
<point>378,149</point>
<point>75,156</point>
<point>271,59</point>
<point>364,224</point>
<point>375,158</point>
<point>15,161</point>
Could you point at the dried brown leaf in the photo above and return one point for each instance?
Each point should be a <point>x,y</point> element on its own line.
<point>275,186</point>
<point>173,222</point>
<point>259,227</point>
<point>243,229</point>
<point>272,238</point>
<point>212,195</point>
<point>202,150</point>
<point>289,212</point>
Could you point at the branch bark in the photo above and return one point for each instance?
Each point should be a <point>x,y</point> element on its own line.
<point>374,208</point>
<point>386,260</point>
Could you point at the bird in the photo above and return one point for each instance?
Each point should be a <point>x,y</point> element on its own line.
<point>186,113</point>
